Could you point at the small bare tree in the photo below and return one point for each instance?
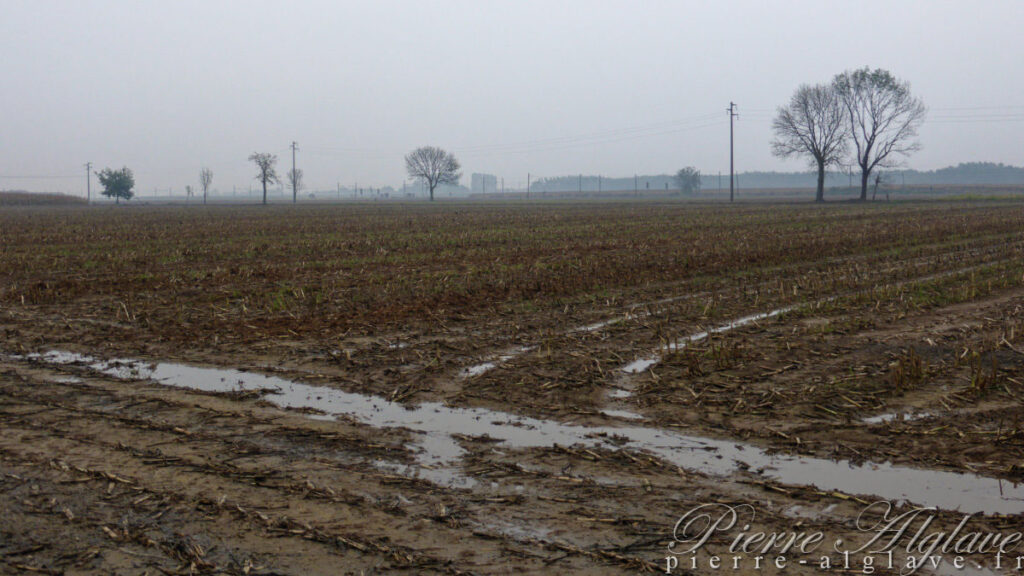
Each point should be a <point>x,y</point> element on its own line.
<point>295,181</point>
<point>883,118</point>
<point>205,179</point>
<point>265,164</point>
<point>433,166</point>
<point>812,125</point>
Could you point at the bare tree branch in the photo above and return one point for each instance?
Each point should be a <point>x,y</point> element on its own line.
<point>205,179</point>
<point>434,166</point>
<point>295,179</point>
<point>812,125</point>
<point>883,118</point>
<point>265,164</point>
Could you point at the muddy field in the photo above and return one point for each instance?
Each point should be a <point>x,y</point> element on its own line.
<point>504,389</point>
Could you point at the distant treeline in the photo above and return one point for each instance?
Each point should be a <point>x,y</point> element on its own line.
<point>971,173</point>
<point>21,198</point>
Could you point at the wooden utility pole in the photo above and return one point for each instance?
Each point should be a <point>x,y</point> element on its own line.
<point>732,114</point>
<point>88,182</point>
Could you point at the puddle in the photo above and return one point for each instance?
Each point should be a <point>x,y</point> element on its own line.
<point>631,315</point>
<point>619,393</point>
<point>483,367</point>
<point>442,476</point>
<point>642,364</point>
<point>807,512</point>
<point>478,369</point>
<point>897,416</point>
<point>624,414</point>
<point>438,453</point>
<point>610,322</point>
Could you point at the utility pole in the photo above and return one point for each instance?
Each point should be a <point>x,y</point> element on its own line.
<point>732,114</point>
<point>294,178</point>
<point>88,182</point>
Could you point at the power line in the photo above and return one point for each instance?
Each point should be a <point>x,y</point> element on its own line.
<point>580,144</point>
<point>547,144</point>
<point>683,123</point>
<point>999,107</point>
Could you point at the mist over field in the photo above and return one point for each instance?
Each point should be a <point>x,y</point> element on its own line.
<point>516,90</point>
<point>464,287</point>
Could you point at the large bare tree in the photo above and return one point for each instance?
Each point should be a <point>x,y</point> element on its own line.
<point>434,166</point>
<point>205,179</point>
<point>813,124</point>
<point>883,118</point>
<point>265,164</point>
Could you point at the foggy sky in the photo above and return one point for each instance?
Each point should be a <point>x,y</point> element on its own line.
<point>541,87</point>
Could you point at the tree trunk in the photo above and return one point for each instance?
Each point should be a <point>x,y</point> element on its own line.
<point>432,193</point>
<point>820,194</point>
<point>264,192</point>
<point>864,176</point>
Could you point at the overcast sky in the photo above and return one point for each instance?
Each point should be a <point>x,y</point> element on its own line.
<point>512,87</point>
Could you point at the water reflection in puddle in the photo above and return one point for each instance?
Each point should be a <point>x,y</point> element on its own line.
<point>478,369</point>
<point>636,312</point>
<point>642,364</point>
<point>623,414</point>
<point>438,453</point>
<point>897,416</point>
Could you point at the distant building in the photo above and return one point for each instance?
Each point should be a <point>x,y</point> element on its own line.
<point>483,183</point>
